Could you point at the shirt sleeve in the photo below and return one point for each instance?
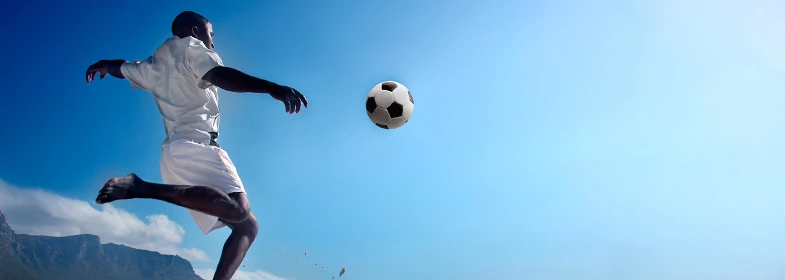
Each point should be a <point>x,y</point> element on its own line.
<point>139,73</point>
<point>200,61</point>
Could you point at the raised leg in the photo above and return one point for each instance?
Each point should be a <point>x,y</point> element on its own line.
<point>232,208</point>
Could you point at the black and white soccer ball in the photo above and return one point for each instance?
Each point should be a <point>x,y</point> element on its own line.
<point>389,105</point>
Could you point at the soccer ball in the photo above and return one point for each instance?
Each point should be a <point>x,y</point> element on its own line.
<point>389,105</point>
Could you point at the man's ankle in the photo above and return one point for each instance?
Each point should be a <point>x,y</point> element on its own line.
<point>140,189</point>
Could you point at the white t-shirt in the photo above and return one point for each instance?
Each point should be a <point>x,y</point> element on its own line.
<point>188,104</point>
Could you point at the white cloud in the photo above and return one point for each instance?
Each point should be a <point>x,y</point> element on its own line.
<point>39,212</point>
<point>240,275</point>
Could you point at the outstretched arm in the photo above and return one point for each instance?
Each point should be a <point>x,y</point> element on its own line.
<point>111,67</point>
<point>234,80</point>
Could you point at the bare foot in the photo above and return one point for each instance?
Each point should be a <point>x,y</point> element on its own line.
<point>119,188</point>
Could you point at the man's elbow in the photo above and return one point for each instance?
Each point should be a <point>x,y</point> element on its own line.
<point>234,80</point>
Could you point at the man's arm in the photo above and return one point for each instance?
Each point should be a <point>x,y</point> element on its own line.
<point>234,80</point>
<point>208,67</point>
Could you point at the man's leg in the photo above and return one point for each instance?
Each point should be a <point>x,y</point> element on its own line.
<point>210,200</point>
<point>238,243</point>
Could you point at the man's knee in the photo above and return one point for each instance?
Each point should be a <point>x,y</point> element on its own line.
<point>249,227</point>
<point>239,215</point>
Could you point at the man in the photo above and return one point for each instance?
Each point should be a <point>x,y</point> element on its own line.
<point>183,75</point>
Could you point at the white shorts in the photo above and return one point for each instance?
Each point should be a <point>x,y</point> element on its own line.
<point>185,162</point>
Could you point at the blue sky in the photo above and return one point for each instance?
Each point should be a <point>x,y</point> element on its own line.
<point>550,140</point>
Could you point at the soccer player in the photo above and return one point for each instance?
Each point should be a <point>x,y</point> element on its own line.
<point>184,75</point>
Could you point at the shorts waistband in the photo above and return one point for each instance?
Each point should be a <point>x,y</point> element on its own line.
<point>213,140</point>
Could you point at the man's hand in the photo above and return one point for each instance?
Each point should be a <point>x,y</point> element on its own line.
<point>111,67</point>
<point>98,67</point>
<point>291,98</point>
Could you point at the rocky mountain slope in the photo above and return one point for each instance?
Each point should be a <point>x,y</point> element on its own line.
<point>82,257</point>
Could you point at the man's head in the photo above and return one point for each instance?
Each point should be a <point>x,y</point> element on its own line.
<point>195,25</point>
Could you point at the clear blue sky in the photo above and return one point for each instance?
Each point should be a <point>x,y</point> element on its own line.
<point>550,139</point>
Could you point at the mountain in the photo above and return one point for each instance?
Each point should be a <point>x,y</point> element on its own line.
<point>11,266</point>
<point>82,257</point>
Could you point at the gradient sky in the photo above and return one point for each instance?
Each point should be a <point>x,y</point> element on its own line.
<point>550,140</point>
